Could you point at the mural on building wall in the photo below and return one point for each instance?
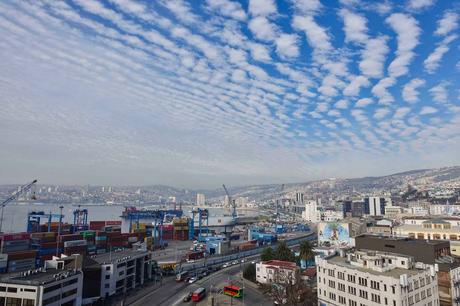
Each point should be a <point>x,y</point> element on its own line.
<point>333,233</point>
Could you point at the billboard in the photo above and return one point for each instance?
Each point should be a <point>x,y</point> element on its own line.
<point>334,234</point>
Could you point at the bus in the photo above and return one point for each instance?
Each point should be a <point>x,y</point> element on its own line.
<point>181,276</point>
<point>233,290</point>
<point>198,294</point>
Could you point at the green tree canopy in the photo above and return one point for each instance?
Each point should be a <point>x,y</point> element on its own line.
<point>267,254</point>
<point>306,250</point>
<point>283,252</point>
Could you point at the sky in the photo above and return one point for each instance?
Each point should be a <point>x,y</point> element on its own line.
<point>199,93</point>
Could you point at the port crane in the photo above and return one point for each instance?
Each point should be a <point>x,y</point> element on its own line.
<point>231,203</point>
<point>14,196</point>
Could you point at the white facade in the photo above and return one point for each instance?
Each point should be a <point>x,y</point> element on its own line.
<point>440,209</point>
<point>200,199</point>
<point>311,213</point>
<point>39,288</point>
<point>331,215</point>
<point>373,278</point>
<point>299,198</point>
<point>276,271</point>
<point>375,206</point>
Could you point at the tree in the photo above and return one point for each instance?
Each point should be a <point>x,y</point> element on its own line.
<point>291,291</point>
<point>306,251</point>
<point>267,254</point>
<point>283,252</point>
<point>249,272</point>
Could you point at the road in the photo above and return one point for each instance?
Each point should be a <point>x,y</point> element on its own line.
<point>177,291</point>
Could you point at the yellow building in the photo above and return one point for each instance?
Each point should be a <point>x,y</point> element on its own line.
<point>434,229</point>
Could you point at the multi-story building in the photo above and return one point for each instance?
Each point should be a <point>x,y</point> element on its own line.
<point>370,278</point>
<point>433,252</point>
<point>123,271</point>
<point>277,271</point>
<point>200,199</point>
<point>311,213</point>
<point>50,287</point>
<point>432,229</point>
<point>299,198</point>
<point>374,206</point>
<point>330,215</point>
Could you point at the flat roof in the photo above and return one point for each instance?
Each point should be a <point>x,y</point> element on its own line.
<point>394,273</point>
<point>403,239</point>
<point>36,278</point>
<point>280,263</point>
<point>112,257</point>
<point>418,227</point>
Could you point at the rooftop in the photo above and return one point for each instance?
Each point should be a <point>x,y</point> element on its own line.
<point>280,263</point>
<point>37,277</point>
<point>402,239</point>
<point>395,272</point>
<point>113,257</point>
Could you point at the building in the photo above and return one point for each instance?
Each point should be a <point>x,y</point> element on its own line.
<point>432,229</point>
<point>346,208</point>
<point>374,206</point>
<point>375,278</point>
<point>311,213</point>
<point>357,209</point>
<point>241,201</point>
<point>123,271</point>
<point>277,271</point>
<point>393,211</point>
<point>330,215</point>
<point>40,287</point>
<point>200,199</point>
<point>299,198</point>
<point>433,252</point>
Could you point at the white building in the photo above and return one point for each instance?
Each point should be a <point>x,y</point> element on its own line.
<point>277,271</point>
<point>373,278</point>
<point>375,206</point>
<point>311,213</point>
<point>200,199</point>
<point>123,271</point>
<point>330,215</point>
<point>299,198</point>
<point>50,287</point>
<point>241,201</point>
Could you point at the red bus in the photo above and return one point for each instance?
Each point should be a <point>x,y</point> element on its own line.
<point>233,290</point>
<point>198,294</point>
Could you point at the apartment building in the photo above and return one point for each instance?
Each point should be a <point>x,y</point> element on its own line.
<point>277,271</point>
<point>40,287</point>
<point>370,278</point>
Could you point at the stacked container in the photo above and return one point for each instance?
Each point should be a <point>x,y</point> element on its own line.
<point>116,240</point>
<point>168,231</point>
<point>46,245</point>
<point>75,247</point>
<point>22,260</point>
<point>101,242</point>
<point>90,236</point>
<point>180,229</point>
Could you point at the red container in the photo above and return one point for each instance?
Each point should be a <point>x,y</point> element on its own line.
<point>16,236</point>
<point>70,237</point>
<point>22,255</point>
<point>113,222</point>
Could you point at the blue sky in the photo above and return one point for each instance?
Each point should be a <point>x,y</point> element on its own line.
<point>196,93</point>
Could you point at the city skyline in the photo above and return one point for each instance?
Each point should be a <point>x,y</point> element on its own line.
<point>186,93</point>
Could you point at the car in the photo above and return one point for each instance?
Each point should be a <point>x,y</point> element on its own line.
<point>192,280</point>
<point>235,262</point>
<point>188,297</point>
<point>243,260</point>
<point>225,265</point>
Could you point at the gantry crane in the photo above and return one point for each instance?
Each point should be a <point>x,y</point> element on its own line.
<point>14,196</point>
<point>231,203</point>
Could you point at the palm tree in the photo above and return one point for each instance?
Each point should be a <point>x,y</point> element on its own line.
<point>306,253</point>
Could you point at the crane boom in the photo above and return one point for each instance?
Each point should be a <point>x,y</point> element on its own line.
<point>232,203</point>
<point>13,196</point>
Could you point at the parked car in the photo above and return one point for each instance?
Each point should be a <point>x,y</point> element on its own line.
<point>188,297</point>
<point>235,262</point>
<point>226,265</point>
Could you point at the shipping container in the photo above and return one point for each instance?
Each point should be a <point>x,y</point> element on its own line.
<point>15,236</point>
<point>22,255</point>
<point>75,243</point>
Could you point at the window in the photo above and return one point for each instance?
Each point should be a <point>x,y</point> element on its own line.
<point>403,262</point>
<point>385,287</point>
<point>351,278</point>
<point>362,281</point>
<point>341,275</point>
<point>428,292</point>
<point>341,287</point>
<point>70,282</point>
<point>375,285</point>
<point>331,284</point>
<point>2,289</point>
<point>106,286</point>
<point>363,294</point>
<point>28,290</point>
<point>386,301</point>
<point>342,300</point>
<point>375,298</point>
<point>13,301</point>
<point>411,300</point>
<point>393,290</point>
<point>28,302</point>
<point>352,290</point>
<point>52,288</point>
<point>12,289</point>
<point>332,296</point>
<point>331,273</point>
<point>107,268</point>
<point>107,276</point>
<point>51,300</point>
